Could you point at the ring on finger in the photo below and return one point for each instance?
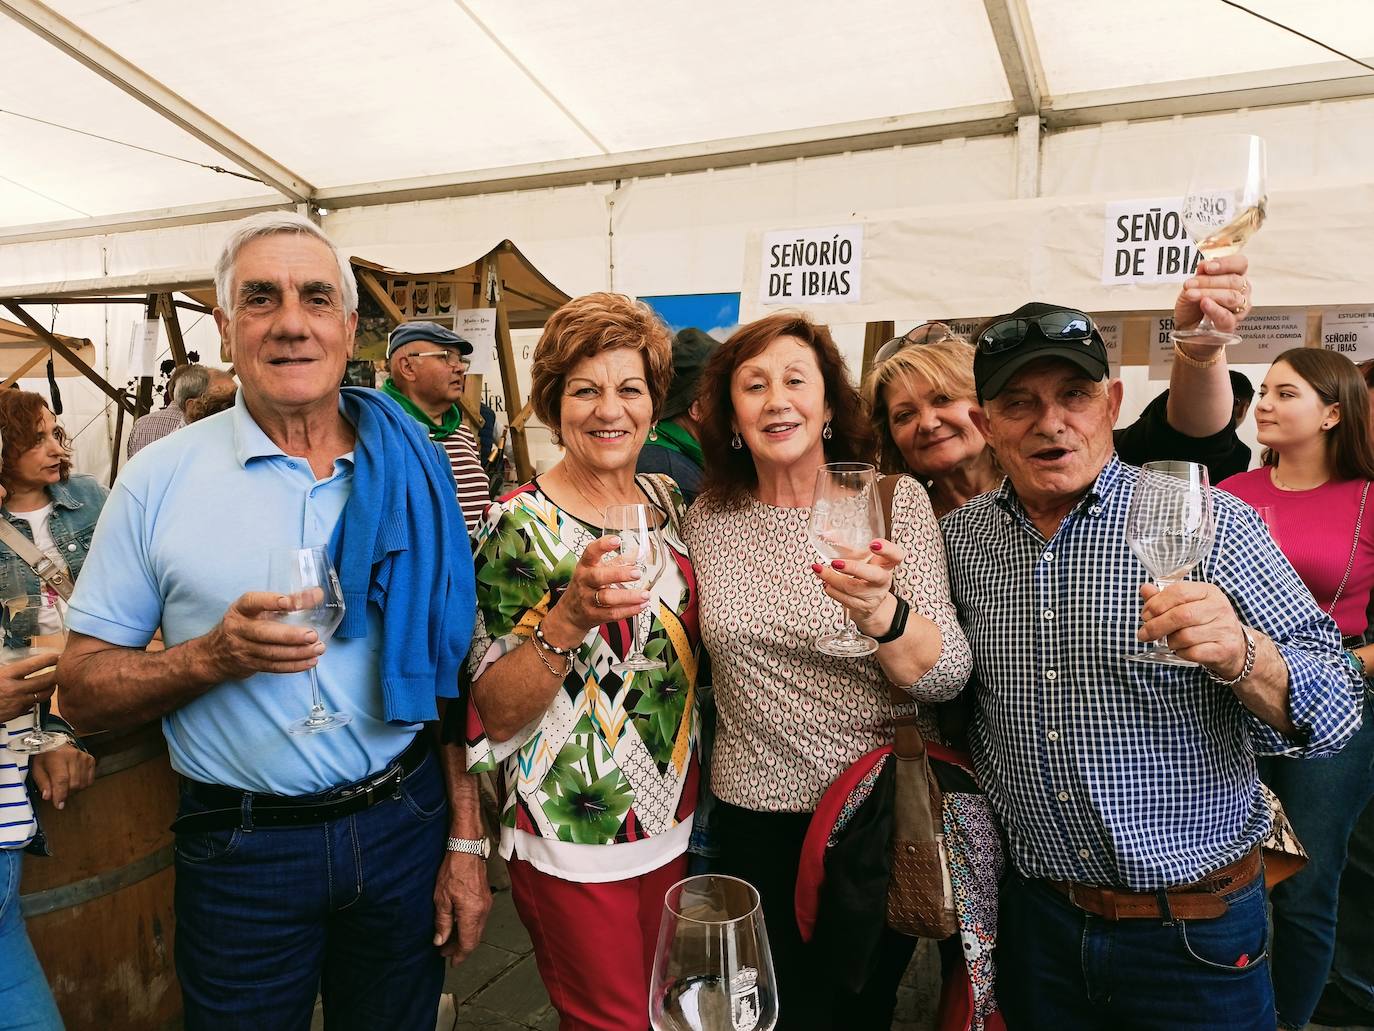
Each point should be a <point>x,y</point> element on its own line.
<point>596,599</point>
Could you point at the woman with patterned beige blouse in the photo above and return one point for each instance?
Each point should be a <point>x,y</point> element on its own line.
<point>777,407</point>
<point>597,769</point>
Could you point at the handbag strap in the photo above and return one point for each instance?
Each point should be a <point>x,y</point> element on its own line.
<point>54,574</point>
<point>1354,547</point>
<point>909,743</point>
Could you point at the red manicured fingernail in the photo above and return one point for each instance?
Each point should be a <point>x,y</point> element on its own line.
<point>876,546</point>
<point>838,563</point>
<point>816,567</point>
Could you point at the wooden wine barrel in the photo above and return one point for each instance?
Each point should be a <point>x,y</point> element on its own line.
<point>99,909</point>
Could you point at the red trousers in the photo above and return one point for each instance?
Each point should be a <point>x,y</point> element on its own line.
<point>594,943</point>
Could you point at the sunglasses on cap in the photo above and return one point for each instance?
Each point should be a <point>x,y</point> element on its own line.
<point>1065,325</point>
<point>925,333</point>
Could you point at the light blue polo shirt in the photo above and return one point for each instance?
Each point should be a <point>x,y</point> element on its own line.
<point>186,530</point>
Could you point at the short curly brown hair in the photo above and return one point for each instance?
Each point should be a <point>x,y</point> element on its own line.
<point>730,472</point>
<point>20,413</point>
<point>586,326</point>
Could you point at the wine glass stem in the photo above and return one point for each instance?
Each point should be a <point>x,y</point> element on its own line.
<point>635,632</point>
<point>38,717</point>
<point>316,700</point>
<point>851,631</point>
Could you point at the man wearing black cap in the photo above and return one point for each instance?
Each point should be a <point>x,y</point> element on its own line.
<point>674,445</point>
<point>1127,788</point>
<point>427,366</point>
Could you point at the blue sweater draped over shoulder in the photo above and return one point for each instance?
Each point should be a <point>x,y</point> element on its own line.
<point>402,545</point>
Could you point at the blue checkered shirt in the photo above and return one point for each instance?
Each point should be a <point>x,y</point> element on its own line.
<point>1119,773</point>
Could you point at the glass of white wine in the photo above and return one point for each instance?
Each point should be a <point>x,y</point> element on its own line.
<point>1223,208</point>
<point>1170,526</point>
<point>307,577</point>
<point>845,520</point>
<point>34,625</point>
<point>641,544</point>
<point>713,970</point>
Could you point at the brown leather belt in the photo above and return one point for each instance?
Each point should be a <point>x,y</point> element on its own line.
<point>1201,900</point>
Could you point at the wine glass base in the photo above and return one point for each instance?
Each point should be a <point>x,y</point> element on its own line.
<point>320,724</point>
<point>1212,337</point>
<point>846,647</point>
<point>1162,658</point>
<point>637,665</point>
<point>36,742</point>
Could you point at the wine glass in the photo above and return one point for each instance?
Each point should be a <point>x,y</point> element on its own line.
<point>34,626</point>
<point>1223,208</point>
<point>845,520</point>
<point>1269,515</point>
<point>307,577</point>
<point>640,544</point>
<point>1170,526</point>
<point>712,967</point>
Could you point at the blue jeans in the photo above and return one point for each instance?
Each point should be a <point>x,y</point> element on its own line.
<point>1063,969</point>
<point>1352,971</point>
<point>26,1004</point>
<point>269,917</point>
<point>1323,798</point>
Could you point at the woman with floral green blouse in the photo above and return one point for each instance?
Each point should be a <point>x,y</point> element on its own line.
<point>597,770</point>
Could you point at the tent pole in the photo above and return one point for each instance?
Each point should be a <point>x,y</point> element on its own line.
<point>66,352</point>
<point>173,326</point>
<point>875,335</point>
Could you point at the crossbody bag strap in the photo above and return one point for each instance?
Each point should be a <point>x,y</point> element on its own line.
<point>54,574</point>
<point>1354,547</point>
<point>909,743</point>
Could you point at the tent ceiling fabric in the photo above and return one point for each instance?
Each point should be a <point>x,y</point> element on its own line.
<point>347,92</point>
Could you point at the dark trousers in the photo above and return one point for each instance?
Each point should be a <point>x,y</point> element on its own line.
<point>268,918</point>
<point>765,849</point>
<point>1061,969</point>
<point>1353,969</point>
<point>1323,798</point>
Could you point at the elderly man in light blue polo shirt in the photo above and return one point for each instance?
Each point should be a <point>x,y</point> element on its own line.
<point>305,863</point>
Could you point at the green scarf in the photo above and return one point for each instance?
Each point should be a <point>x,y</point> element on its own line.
<point>674,438</point>
<point>453,418</point>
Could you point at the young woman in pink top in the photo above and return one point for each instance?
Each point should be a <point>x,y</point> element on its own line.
<point>1313,419</point>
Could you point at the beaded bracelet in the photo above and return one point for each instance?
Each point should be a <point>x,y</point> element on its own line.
<point>546,643</point>
<point>549,665</point>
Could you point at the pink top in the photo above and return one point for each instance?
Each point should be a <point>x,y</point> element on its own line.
<point>1315,531</point>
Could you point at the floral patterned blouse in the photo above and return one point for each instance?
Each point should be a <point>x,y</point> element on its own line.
<point>613,760</point>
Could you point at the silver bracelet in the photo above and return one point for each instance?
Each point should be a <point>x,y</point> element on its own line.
<point>1245,670</point>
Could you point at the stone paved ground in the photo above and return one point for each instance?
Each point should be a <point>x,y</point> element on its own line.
<point>498,987</point>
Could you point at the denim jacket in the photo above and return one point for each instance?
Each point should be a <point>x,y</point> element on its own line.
<point>76,506</point>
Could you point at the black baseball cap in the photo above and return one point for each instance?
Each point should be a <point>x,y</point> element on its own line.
<point>1005,344</point>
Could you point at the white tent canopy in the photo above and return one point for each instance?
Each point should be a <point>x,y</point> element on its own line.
<point>342,102</point>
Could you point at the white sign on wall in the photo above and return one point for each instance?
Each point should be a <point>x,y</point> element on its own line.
<point>1265,334</point>
<point>1144,242</point>
<point>478,327</point>
<point>812,266</point>
<point>143,348</point>
<point>1349,331</point>
<point>1161,347</point>
<point>1111,336</point>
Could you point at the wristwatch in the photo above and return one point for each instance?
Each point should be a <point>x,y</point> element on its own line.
<point>470,846</point>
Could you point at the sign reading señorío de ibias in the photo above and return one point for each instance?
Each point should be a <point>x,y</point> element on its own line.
<point>812,266</point>
<point>1144,242</point>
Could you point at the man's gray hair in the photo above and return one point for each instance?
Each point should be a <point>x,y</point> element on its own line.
<point>268,223</point>
<point>187,382</point>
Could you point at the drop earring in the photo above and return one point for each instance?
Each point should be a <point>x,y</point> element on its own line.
<point>827,432</point>
<point>736,442</point>
<point>653,431</point>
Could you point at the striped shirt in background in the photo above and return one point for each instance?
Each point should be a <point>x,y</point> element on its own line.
<point>473,492</point>
<point>17,824</point>
<point>1118,773</point>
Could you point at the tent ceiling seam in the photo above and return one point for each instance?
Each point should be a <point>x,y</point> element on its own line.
<point>528,74</point>
<point>119,71</point>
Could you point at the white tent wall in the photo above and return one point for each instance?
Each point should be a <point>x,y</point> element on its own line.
<point>687,233</point>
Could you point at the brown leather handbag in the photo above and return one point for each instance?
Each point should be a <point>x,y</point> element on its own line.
<point>920,893</point>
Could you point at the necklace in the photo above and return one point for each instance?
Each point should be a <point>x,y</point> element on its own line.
<point>1274,478</point>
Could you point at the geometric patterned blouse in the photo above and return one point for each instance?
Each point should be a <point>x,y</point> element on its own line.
<point>613,759</point>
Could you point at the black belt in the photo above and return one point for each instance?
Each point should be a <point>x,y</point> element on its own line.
<point>232,808</point>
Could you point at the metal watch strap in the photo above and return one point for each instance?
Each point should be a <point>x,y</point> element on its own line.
<point>470,846</point>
